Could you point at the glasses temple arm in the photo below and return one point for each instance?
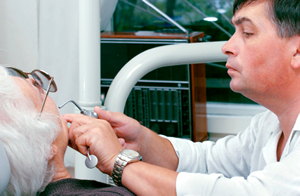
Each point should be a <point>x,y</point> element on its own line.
<point>47,92</point>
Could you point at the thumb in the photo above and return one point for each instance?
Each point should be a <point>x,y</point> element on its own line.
<point>102,114</point>
<point>114,118</point>
<point>122,142</point>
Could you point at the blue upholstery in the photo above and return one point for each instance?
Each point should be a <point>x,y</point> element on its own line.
<point>4,169</point>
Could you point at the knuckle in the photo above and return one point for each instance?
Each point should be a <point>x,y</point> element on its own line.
<point>104,122</point>
<point>95,130</point>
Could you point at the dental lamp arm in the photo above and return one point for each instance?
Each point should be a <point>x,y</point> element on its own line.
<point>154,58</point>
<point>140,138</point>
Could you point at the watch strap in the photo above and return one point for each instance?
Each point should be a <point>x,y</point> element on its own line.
<point>118,170</point>
<point>120,163</point>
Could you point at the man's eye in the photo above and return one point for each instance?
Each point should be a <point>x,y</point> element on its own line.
<point>247,34</point>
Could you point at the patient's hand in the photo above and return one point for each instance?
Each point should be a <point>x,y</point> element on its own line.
<point>96,134</point>
<point>125,127</point>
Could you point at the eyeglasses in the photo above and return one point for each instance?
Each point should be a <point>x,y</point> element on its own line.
<point>42,78</point>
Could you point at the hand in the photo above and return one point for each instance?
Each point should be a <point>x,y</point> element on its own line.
<point>125,127</point>
<point>141,139</point>
<point>96,134</point>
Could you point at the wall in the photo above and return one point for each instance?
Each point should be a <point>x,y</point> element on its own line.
<point>229,119</point>
<point>44,34</point>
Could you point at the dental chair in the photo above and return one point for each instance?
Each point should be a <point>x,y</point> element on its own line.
<point>4,169</point>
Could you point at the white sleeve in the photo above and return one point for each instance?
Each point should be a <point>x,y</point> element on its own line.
<point>230,156</point>
<point>221,157</point>
<point>280,178</point>
<point>227,166</point>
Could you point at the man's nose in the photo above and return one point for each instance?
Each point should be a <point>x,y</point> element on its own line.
<point>228,48</point>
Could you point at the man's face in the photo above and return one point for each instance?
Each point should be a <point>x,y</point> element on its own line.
<point>33,91</point>
<point>258,57</point>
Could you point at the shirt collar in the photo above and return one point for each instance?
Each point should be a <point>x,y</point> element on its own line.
<point>296,125</point>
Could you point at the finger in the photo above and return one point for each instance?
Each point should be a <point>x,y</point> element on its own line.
<point>79,118</point>
<point>65,127</point>
<point>103,143</point>
<point>74,133</point>
<point>81,144</point>
<point>90,136</point>
<point>122,142</point>
<point>79,140</point>
<point>77,131</point>
<point>69,117</point>
<point>64,124</point>
<point>76,121</point>
<point>102,114</point>
<point>114,118</point>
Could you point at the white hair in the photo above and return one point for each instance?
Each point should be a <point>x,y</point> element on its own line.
<point>26,138</point>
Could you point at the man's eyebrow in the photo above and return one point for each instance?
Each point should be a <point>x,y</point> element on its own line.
<point>240,21</point>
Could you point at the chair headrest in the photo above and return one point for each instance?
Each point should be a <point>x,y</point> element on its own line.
<point>4,169</point>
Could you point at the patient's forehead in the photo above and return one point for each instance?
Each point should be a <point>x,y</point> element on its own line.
<point>36,94</point>
<point>28,91</point>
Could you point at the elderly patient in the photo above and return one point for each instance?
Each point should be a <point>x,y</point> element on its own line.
<point>36,142</point>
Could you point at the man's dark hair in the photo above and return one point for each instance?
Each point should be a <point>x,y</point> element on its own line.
<point>285,14</point>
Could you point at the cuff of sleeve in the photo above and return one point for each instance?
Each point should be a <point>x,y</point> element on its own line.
<point>195,184</point>
<point>191,155</point>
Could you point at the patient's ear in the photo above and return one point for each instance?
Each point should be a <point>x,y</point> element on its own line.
<point>296,55</point>
<point>53,151</point>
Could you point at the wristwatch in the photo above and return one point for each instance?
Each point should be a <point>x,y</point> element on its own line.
<point>124,158</point>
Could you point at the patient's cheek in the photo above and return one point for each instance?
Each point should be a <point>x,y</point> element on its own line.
<point>6,115</point>
<point>51,107</point>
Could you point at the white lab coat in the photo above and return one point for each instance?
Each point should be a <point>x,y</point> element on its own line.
<point>245,164</point>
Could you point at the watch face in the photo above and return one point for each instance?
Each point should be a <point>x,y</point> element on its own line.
<point>130,153</point>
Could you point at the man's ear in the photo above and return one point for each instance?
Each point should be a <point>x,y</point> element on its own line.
<point>53,151</point>
<point>296,55</point>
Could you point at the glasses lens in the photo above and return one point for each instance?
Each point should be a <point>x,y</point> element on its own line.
<point>16,72</point>
<point>43,79</point>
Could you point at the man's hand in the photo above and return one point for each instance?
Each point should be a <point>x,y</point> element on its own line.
<point>125,127</point>
<point>98,135</point>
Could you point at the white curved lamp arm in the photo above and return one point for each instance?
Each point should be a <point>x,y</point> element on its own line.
<point>154,58</point>
<point>4,169</point>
